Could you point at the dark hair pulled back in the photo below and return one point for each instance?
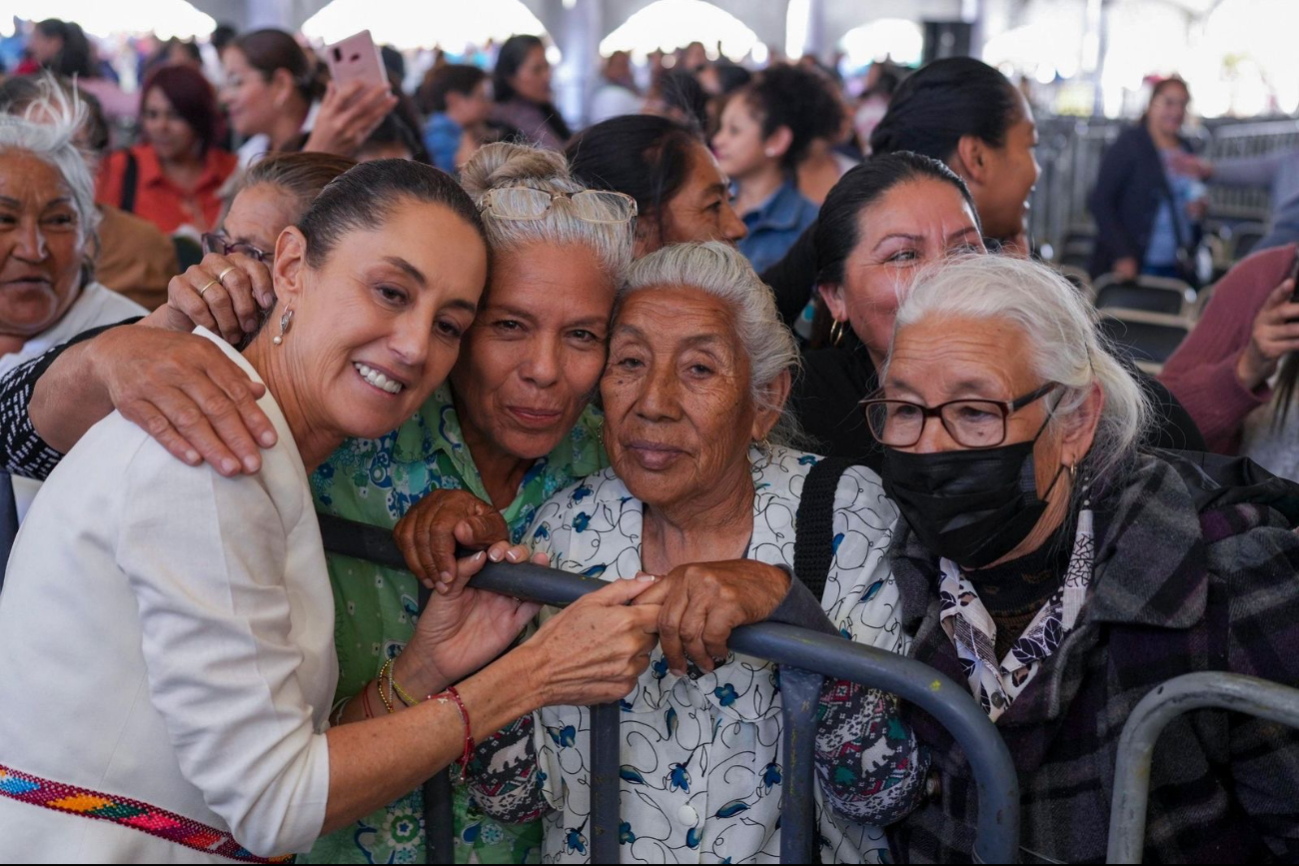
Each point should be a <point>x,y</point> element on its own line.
<point>364,197</point>
<point>269,49</point>
<point>641,155</point>
<point>514,52</point>
<point>797,99</point>
<point>837,230</point>
<point>938,105</point>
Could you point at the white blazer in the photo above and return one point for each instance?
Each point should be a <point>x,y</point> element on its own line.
<point>166,635</point>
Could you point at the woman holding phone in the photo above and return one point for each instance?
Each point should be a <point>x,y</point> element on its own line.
<point>1236,373</point>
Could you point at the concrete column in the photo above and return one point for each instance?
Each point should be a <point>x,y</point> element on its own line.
<point>271,13</point>
<point>576,27</point>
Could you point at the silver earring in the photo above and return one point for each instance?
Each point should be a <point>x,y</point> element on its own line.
<point>285,321</point>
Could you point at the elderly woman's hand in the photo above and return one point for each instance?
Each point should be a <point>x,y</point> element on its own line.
<point>464,628</point>
<point>594,650</point>
<point>430,531</point>
<point>702,603</point>
<point>226,295</point>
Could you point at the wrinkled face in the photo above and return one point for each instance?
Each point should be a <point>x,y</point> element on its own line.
<point>248,96</point>
<point>170,134</point>
<point>533,358</point>
<point>946,358</point>
<point>41,245</point>
<point>1013,171</point>
<point>700,211</point>
<point>532,81</point>
<point>378,325</point>
<point>912,225</point>
<point>679,410</point>
<point>1168,109</point>
<point>739,143</point>
<point>257,216</point>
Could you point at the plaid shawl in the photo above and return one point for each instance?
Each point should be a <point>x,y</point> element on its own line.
<point>1189,577</point>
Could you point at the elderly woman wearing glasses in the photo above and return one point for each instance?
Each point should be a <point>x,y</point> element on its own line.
<point>1063,573</point>
<point>703,492</point>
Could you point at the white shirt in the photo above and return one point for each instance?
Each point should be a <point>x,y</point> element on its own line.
<point>700,757</point>
<point>166,635</point>
<point>97,305</point>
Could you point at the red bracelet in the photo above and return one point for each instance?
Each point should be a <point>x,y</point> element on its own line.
<point>365,701</point>
<point>453,695</point>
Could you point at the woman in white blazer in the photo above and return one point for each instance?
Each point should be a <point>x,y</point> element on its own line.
<point>166,633</point>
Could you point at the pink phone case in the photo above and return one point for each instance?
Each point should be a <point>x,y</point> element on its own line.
<point>355,59</point>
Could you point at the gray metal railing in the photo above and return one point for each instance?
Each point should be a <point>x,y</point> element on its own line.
<point>804,656</point>
<point>1242,694</point>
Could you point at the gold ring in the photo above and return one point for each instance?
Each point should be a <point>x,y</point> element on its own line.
<point>221,276</point>
<point>208,286</point>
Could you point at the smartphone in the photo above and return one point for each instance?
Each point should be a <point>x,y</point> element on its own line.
<point>355,58</point>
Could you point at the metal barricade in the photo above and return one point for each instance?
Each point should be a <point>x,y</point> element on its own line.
<point>804,657</point>
<point>1235,692</point>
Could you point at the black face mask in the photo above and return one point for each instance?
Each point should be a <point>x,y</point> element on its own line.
<point>970,506</point>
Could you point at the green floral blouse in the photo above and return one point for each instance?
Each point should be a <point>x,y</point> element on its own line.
<point>376,481</point>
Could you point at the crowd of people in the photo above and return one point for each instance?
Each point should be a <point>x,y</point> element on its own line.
<point>633,351</point>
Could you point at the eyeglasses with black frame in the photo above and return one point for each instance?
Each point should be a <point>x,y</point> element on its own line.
<point>222,245</point>
<point>972,423</point>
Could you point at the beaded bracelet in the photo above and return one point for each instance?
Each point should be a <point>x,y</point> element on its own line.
<point>453,696</point>
<point>402,695</point>
<point>387,699</point>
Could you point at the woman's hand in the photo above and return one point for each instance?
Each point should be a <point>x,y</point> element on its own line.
<point>348,115</point>
<point>224,295</point>
<point>594,650</point>
<point>1276,334</point>
<point>184,392</point>
<point>704,602</point>
<point>428,534</point>
<point>463,628</point>
<point>1126,269</point>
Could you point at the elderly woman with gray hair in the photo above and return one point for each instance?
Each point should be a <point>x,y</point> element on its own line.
<point>703,492</point>
<point>1064,574</point>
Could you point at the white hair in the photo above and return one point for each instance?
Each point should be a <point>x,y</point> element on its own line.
<point>1061,327</point>
<point>502,165</point>
<point>720,270</point>
<point>47,129</point>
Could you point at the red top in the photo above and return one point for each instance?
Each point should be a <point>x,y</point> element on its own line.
<point>160,201</point>
<point>1202,372</point>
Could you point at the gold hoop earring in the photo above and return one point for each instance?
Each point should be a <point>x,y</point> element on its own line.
<point>286,321</point>
<point>837,331</point>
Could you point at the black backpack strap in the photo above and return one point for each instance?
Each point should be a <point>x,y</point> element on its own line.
<point>130,180</point>
<point>814,523</point>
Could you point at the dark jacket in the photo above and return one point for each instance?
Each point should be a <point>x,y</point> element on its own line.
<point>1189,576</point>
<point>826,392</point>
<point>1129,191</point>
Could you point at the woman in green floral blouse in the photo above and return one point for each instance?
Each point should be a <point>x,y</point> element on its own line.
<point>512,426</point>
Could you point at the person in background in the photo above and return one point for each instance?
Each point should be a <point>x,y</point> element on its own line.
<point>767,127</point>
<point>454,97</point>
<point>173,178</point>
<point>1147,213</point>
<point>521,88</point>
<point>62,47</point>
<point>882,81</point>
<point>617,94</point>
<point>678,95</point>
<point>277,101</point>
<point>968,115</point>
<point>719,81</point>
<point>132,257</point>
<point>1237,370</point>
<point>393,138</point>
<point>681,195</point>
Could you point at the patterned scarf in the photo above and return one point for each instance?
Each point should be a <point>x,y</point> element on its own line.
<point>974,632</point>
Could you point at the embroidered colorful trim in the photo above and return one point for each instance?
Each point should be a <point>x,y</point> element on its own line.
<point>26,788</point>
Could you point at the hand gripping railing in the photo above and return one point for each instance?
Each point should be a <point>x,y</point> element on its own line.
<point>1242,694</point>
<point>804,657</point>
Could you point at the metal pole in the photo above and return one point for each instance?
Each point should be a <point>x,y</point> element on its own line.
<point>1235,692</point>
<point>997,839</point>
<point>800,693</point>
<point>606,786</point>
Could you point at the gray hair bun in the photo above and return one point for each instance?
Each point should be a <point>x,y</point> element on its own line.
<point>505,164</point>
